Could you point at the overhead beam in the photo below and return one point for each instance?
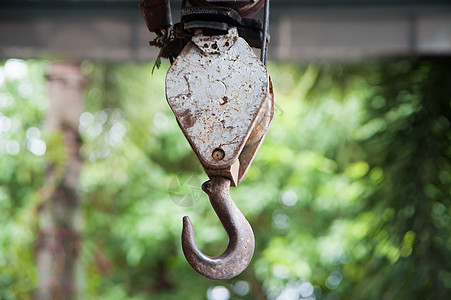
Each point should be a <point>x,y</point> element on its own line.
<point>125,7</point>
<point>300,29</point>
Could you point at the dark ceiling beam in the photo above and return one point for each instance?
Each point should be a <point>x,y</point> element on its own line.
<point>301,30</point>
<point>64,7</point>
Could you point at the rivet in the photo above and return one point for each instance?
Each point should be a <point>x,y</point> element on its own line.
<point>218,154</point>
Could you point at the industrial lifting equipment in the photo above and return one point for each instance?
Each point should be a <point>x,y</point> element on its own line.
<point>222,97</point>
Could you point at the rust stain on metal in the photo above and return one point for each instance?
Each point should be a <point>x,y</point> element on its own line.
<point>225,99</point>
<point>186,119</point>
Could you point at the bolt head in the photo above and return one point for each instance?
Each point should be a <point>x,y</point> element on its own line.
<point>218,154</point>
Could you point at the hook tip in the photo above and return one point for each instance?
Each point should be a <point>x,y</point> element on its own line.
<point>188,230</point>
<point>186,221</point>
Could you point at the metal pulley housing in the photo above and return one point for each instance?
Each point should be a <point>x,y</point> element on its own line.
<point>221,95</point>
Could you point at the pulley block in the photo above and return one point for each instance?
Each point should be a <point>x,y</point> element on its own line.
<point>222,97</point>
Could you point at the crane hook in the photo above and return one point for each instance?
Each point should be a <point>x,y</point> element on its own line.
<point>241,245</point>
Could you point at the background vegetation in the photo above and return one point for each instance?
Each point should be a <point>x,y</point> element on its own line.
<point>349,196</point>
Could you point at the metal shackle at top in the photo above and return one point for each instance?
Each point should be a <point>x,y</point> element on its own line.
<point>157,14</point>
<point>245,8</point>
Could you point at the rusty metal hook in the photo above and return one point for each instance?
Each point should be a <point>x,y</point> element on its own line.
<point>241,245</point>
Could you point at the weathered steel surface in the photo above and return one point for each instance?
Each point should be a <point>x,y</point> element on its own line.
<point>217,89</point>
<point>241,245</point>
<point>256,137</point>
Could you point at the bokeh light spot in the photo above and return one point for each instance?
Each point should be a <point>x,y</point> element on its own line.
<point>289,198</point>
<point>37,147</point>
<point>281,221</point>
<point>281,271</point>
<point>218,293</point>
<point>160,120</point>
<point>33,133</point>
<point>333,280</point>
<point>242,288</point>
<point>306,289</point>
<point>12,147</point>
<point>15,69</point>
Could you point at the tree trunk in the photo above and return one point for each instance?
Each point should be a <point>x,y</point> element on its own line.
<point>58,243</point>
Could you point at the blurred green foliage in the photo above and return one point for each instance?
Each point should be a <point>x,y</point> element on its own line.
<point>349,195</point>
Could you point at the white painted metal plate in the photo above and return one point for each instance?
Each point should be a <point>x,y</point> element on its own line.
<point>216,87</point>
